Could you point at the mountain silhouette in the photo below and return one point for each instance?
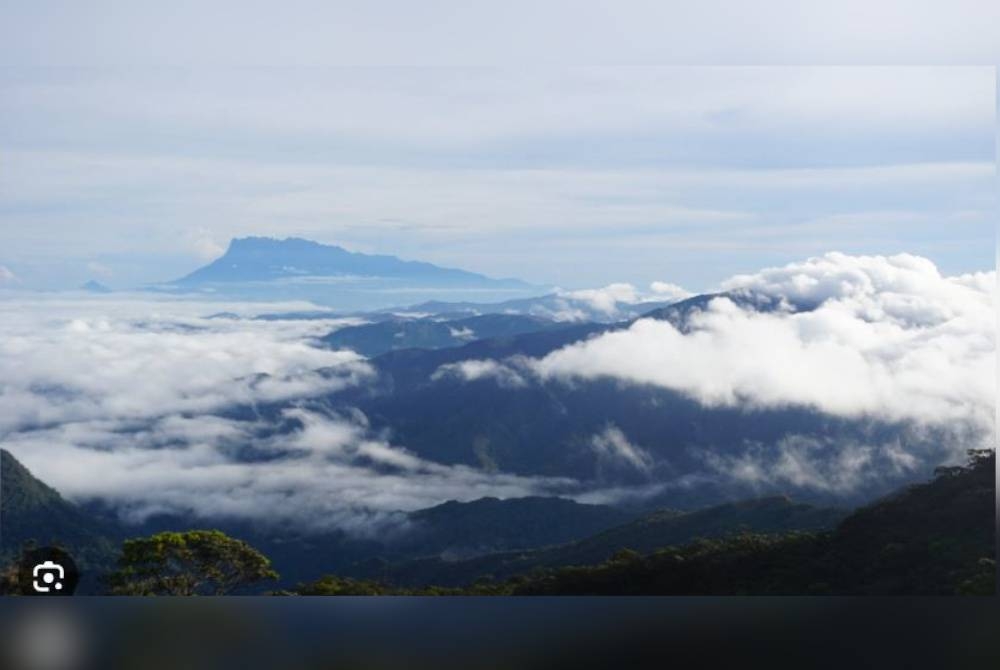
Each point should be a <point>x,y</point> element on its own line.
<point>264,259</point>
<point>31,512</point>
<point>94,286</point>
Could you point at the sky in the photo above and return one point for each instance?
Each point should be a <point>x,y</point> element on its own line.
<point>569,176</point>
<point>534,32</point>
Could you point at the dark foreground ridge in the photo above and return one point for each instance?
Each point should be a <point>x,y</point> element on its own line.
<point>930,539</point>
<point>34,514</point>
<point>935,538</point>
<point>645,534</point>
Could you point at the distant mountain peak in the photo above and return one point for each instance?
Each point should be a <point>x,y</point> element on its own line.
<point>293,259</point>
<point>263,242</point>
<point>94,286</point>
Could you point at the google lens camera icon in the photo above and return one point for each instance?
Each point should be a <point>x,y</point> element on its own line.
<point>48,571</point>
<point>48,576</point>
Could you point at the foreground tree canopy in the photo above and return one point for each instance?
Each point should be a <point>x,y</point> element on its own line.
<point>196,562</point>
<point>935,538</point>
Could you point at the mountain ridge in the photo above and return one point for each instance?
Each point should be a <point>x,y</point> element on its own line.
<point>94,286</point>
<point>394,334</point>
<point>31,511</point>
<point>267,259</point>
<point>643,533</point>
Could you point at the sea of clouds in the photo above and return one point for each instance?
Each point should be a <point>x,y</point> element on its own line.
<point>888,337</point>
<point>126,399</point>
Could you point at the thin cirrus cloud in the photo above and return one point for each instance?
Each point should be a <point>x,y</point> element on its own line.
<point>509,104</point>
<point>380,33</point>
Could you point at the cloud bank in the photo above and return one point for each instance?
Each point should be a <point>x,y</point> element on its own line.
<point>130,401</point>
<point>667,291</point>
<point>872,337</point>
<point>326,473</point>
<point>71,361</point>
<point>229,417</point>
<point>608,304</point>
<point>605,299</point>
<point>823,464</point>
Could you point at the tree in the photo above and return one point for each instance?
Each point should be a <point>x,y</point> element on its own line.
<point>195,562</point>
<point>10,574</point>
<point>331,585</point>
<point>9,580</point>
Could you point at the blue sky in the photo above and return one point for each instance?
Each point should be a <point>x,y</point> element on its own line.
<point>570,176</point>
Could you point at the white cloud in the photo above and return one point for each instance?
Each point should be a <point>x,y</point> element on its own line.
<point>889,338</point>
<point>63,361</point>
<point>136,390</point>
<point>473,370</point>
<point>7,277</point>
<point>605,299</point>
<point>204,244</point>
<point>462,333</point>
<point>870,339</point>
<point>328,473</point>
<point>905,289</point>
<point>667,291</point>
<point>609,304</point>
<point>824,464</point>
<point>612,445</point>
<point>126,400</point>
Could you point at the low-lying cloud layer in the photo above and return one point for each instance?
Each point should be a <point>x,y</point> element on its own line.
<point>131,400</point>
<point>326,473</point>
<point>65,361</point>
<point>874,337</point>
<point>608,304</point>
<point>124,401</point>
<point>874,340</point>
<point>823,464</point>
